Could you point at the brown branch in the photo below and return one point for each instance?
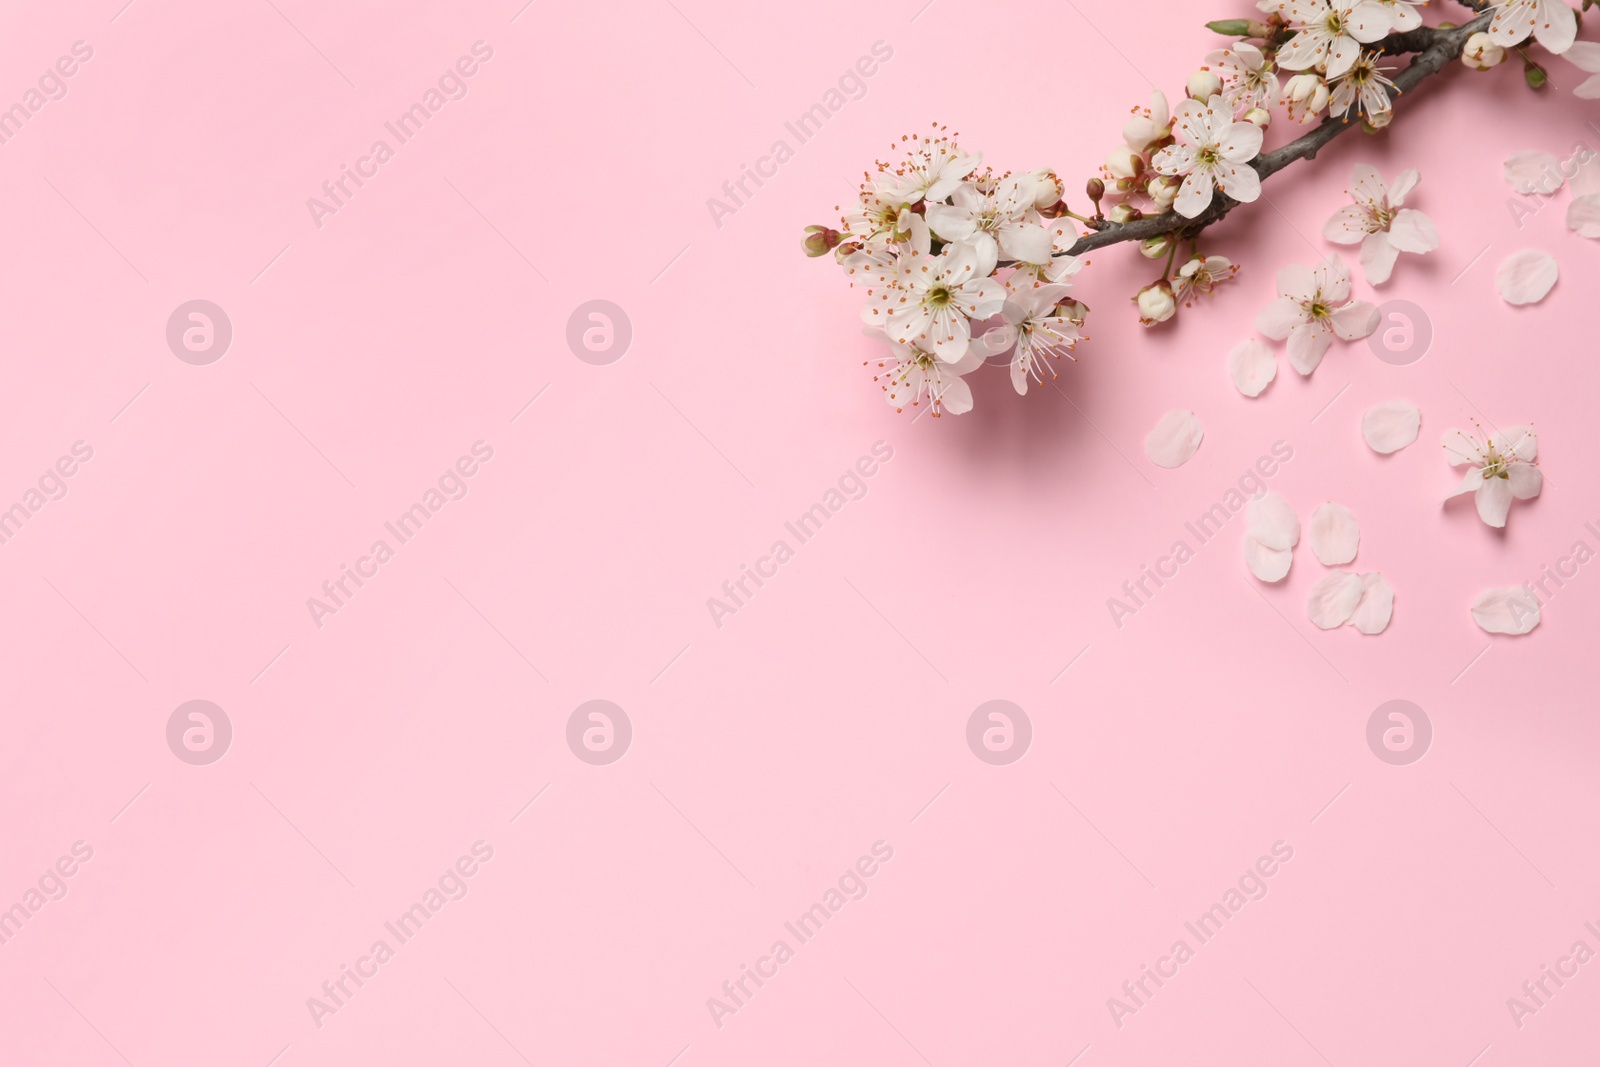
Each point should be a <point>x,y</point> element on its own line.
<point>1433,49</point>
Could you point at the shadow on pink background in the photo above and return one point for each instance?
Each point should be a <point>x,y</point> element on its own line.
<point>411,746</point>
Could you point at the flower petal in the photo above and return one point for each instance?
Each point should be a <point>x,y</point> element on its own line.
<point>1533,172</point>
<point>1272,521</point>
<point>1267,564</point>
<point>1557,27</point>
<point>1174,440</point>
<point>1516,442</point>
<point>1412,231</point>
<point>1373,613</point>
<point>1252,367</point>
<point>1334,599</point>
<point>1512,610</point>
<point>1526,277</point>
<point>1402,185</point>
<point>1583,215</point>
<point>1525,479</point>
<point>1240,181</point>
<point>1280,317</point>
<point>1194,195</point>
<point>1348,225</point>
<point>1355,320</point>
<point>1297,282</point>
<point>1334,534</point>
<point>1378,254</point>
<point>1308,343</point>
<point>1462,447</point>
<point>1333,280</point>
<point>1494,501</point>
<point>1367,188</point>
<point>1240,142</point>
<point>1390,426</point>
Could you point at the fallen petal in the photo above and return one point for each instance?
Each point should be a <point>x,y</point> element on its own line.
<point>1334,599</point>
<point>1583,215</point>
<point>1512,610</point>
<point>1334,534</point>
<point>1377,605</point>
<point>1533,172</point>
<point>1390,426</point>
<point>1268,564</point>
<point>1174,440</point>
<point>1273,522</point>
<point>1525,277</point>
<point>1252,367</point>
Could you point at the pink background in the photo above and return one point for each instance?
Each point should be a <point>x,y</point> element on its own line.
<point>830,712</point>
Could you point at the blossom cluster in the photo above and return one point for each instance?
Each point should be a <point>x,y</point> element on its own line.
<point>964,266</point>
<point>942,246</point>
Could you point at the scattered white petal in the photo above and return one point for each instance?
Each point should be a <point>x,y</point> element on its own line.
<point>1583,215</point>
<point>1273,522</point>
<point>1252,366</point>
<point>1390,426</point>
<point>1512,610</point>
<point>1533,172</point>
<point>1334,534</point>
<point>1268,564</point>
<point>1526,276</point>
<point>1377,605</point>
<point>1175,439</point>
<point>1334,599</point>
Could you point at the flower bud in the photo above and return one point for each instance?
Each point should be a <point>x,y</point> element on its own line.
<point>819,241</point>
<point>1095,189</point>
<point>1230,27</point>
<point>1481,53</point>
<point>1258,116</point>
<point>1155,247</point>
<point>1535,76</point>
<point>1046,190</point>
<point>1164,190</point>
<point>1124,162</point>
<point>1124,212</point>
<point>1156,303</point>
<point>1204,84</point>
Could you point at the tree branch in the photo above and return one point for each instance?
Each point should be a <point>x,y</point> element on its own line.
<point>1433,49</point>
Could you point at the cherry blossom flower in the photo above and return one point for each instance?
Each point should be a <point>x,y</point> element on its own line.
<point>1148,125</point>
<point>1213,151</point>
<point>1481,53</point>
<point>934,170</point>
<point>1502,469</point>
<point>1003,220</point>
<point>876,215</point>
<point>1312,307</point>
<point>1200,275</point>
<point>908,371</point>
<point>1247,77</point>
<point>1378,221</point>
<point>1036,329</point>
<point>1331,32</point>
<point>1305,97</point>
<point>1364,84</point>
<point>931,300</point>
<point>1551,22</point>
